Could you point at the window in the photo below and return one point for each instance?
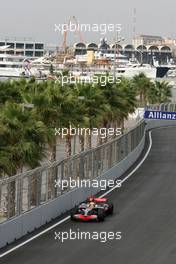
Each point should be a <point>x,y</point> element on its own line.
<point>39,46</point>
<point>29,46</point>
<point>29,53</point>
<point>15,66</point>
<point>20,53</point>
<point>38,53</point>
<point>10,44</point>
<point>10,52</point>
<point>20,45</point>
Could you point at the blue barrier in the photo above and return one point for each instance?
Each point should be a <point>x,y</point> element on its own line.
<point>160,115</point>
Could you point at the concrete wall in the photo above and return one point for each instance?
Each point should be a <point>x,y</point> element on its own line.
<point>151,124</point>
<point>29,221</point>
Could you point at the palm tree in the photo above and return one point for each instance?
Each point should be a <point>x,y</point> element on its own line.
<point>93,105</point>
<point>23,136</point>
<point>142,84</point>
<point>46,100</point>
<point>121,100</point>
<point>159,93</point>
<point>72,112</point>
<point>23,141</point>
<point>128,94</point>
<point>9,92</point>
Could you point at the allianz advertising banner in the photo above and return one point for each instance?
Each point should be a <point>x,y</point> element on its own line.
<point>159,115</point>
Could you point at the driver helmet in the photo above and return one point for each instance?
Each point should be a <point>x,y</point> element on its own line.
<point>91,204</point>
<point>91,199</point>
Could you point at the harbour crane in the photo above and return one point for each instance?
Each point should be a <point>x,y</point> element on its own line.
<point>76,32</point>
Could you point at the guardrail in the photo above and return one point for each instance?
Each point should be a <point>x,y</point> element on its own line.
<point>165,107</point>
<point>26,191</point>
<point>30,200</point>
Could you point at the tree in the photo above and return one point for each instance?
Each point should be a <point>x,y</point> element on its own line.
<point>159,93</point>
<point>23,138</point>
<point>9,91</point>
<point>93,105</point>
<point>142,85</point>
<point>121,100</point>
<point>22,144</point>
<point>128,93</point>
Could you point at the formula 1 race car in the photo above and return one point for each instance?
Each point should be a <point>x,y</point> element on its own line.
<point>94,209</point>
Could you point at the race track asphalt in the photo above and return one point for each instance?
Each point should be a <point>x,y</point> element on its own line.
<point>145,213</point>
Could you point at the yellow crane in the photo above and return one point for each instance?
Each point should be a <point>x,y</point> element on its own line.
<point>76,32</point>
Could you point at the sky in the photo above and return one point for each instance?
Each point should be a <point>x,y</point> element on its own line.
<point>36,19</point>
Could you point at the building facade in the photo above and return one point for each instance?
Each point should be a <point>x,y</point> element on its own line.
<point>24,47</point>
<point>147,40</point>
<point>152,40</point>
<point>143,53</point>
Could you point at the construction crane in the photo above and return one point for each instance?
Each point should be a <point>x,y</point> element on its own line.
<point>77,32</point>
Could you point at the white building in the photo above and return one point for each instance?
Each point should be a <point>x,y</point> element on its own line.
<point>25,47</point>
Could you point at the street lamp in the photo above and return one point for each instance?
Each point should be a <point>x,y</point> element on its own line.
<point>81,98</point>
<point>115,51</point>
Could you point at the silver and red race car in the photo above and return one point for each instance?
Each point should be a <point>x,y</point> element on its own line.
<point>94,209</point>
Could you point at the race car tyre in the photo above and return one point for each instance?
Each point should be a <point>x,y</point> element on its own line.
<point>100,215</point>
<point>111,209</point>
<point>73,212</point>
